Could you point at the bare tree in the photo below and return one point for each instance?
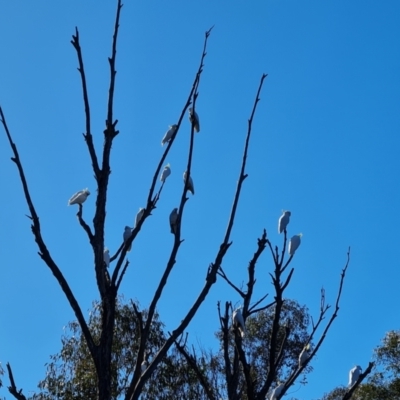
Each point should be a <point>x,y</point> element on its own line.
<point>243,379</point>
<point>237,368</point>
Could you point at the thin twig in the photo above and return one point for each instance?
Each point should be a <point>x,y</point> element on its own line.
<point>192,362</point>
<point>84,225</point>
<point>222,274</point>
<point>242,175</point>
<point>122,275</point>
<point>257,303</point>
<point>256,310</point>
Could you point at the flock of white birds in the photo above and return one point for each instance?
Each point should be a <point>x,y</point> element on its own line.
<point>237,316</point>
<point>81,196</point>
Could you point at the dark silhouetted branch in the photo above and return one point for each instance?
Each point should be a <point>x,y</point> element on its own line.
<point>242,175</point>
<point>84,225</point>
<point>261,243</point>
<point>191,359</point>
<point>122,275</point>
<point>88,135</point>
<point>137,382</point>
<point>113,72</point>
<point>183,113</point>
<point>222,274</point>
<point>13,388</point>
<point>44,253</point>
<point>349,394</point>
<point>323,309</point>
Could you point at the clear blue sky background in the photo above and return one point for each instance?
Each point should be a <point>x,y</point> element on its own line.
<point>325,145</point>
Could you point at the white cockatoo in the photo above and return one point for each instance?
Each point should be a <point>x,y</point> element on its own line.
<point>277,392</point>
<point>238,321</point>
<point>127,235</point>
<point>190,183</point>
<point>304,355</point>
<point>168,135</point>
<point>294,243</point>
<point>165,173</point>
<point>194,119</point>
<point>139,216</point>
<point>283,221</point>
<point>143,365</point>
<point>106,257</point>
<point>79,197</point>
<point>173,220</point>
<point>354,374</point>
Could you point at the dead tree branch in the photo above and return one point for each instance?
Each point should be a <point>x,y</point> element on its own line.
<point>222,274</point>
<point>88,135</point>
<point>242,175</point>
<point>43,251</point>
<point>84,225</point>
<point>13,388</point>
<point>261,243</point>
<point>137,382</point>
<point>324,308</point>
<point>191,359</point>
<point>350,392</point>
<point>113,72</point>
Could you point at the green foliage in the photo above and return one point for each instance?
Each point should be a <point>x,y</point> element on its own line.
<point>256,347</point>
<point>336,394</point>
<point>384,383</point>
<point>259,328</point>
<point>71,373</point>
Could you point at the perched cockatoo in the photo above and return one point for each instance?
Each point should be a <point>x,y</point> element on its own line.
<point>190,183</point>
<point>294,243</point>
<point>143,365</point>
<point>304,355</point>
<point>354,374</point>
<point>283,221</point>
<point>79,197</point>
<point>127,235</point>
<point>165,173</point>
<point>168,135</point>
<point>106,257</point>
<point>173,220</point>
<point>194,119</point>
<point>138,217</point>
<point>238,321</point>
<point>277,392</point>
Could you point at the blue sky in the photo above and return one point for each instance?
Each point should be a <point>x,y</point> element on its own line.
<point>325,145</point>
